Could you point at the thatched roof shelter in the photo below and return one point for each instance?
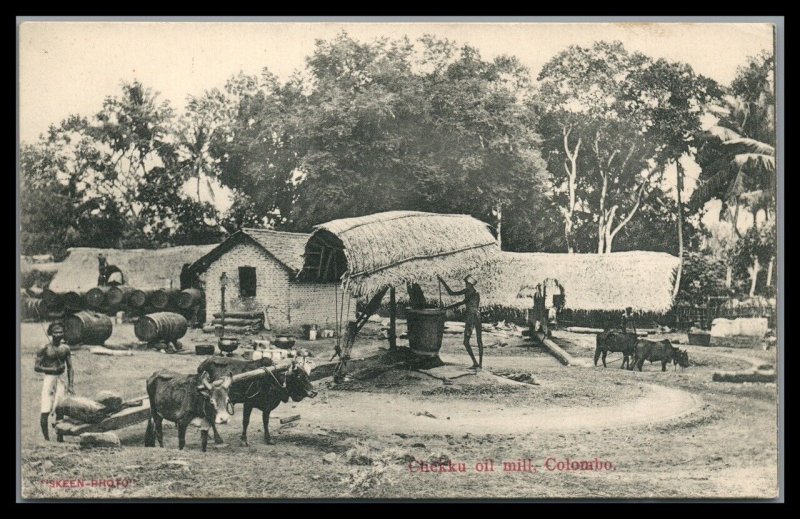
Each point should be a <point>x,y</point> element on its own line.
<point>144,269</point>
<point>592,282</point>
<point>393,248</point>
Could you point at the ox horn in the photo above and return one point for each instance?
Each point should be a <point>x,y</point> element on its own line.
<point>205,378</point>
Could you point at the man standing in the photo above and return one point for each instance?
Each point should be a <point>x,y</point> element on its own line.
<point>52,360</point>
<point>472,304</point>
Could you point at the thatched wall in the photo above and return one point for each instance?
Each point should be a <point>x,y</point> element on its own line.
<point>592,282</point>
<point>396,247</point>
<point>143,268</point>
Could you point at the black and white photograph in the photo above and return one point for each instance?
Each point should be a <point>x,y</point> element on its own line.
<point>310,259</point>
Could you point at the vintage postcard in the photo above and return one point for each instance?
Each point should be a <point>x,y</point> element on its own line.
<point>309,259</point>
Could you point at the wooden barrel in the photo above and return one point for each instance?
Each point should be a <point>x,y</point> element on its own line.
<point>51,301</point>
<point>73,302</point>
<point>87,328</point>
<point>159,299</point>
<point>425,330</point>
<point>136,299</point>
<point>161,326</point>
<point>189,298</point>
<point>117,296</point>
<point>96,298</point>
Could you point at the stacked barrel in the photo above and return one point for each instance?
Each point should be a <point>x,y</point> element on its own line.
<point>48,305</point>
<point>160,315</point>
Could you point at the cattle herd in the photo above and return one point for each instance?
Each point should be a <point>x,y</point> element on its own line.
<point>640,350</point>
<point>208,398</point>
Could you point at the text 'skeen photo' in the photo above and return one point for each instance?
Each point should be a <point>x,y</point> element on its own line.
<point>395,259</point>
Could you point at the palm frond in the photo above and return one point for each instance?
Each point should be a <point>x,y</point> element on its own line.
<point>724,134</point>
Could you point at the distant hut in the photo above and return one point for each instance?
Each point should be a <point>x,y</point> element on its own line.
<point>595,286</point>
<point>145,269</point>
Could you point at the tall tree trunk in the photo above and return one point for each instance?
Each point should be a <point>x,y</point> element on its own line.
<point>680,230</point>
<point>601,223</point>
<point>572,184</point>
<point>198,189</point>
<point>568,235</point>
<point>769,271</point>
<point>728,276</point>
<point>753,271</point>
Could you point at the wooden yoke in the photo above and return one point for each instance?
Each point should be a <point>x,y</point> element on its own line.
<point>353,327</point>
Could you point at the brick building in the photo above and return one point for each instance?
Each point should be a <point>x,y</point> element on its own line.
<point>261,268</point>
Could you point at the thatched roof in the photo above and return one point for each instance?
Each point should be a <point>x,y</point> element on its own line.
<point>396,247</point>
<point>286,247</point>
<point>143,268</point>
<point>606,282</point>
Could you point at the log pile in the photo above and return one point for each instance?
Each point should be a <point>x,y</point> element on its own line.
<point>237,323</point>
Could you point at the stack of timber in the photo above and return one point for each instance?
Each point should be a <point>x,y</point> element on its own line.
<point>237,322</point>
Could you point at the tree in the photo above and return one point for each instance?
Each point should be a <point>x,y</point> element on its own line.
<point>613,121</point>
<point>45,208</point>
<point>255,150</point>
<point>111,181</point>
<point>737,157</point>
<point>435,127</point>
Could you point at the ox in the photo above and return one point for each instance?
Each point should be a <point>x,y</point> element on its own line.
<point>613,341</point>
<point>264,393</point>
<point>186,399</point>
<point>658,351</point>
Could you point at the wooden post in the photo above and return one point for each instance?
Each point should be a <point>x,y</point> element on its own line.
<point>392,320</point>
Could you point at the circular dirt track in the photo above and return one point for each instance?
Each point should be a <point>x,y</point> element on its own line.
<point>390,413</point>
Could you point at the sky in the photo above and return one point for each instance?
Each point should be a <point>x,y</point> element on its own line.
<point>70,67</point>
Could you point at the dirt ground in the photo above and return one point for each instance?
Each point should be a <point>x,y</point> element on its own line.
<point>403,433</point>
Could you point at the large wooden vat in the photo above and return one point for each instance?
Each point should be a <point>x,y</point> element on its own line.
<point>188,298</point>
<point>161,326</point>
<point>425,330</point>
<point>160,299</point>
<point>87,328</point>
<point>117,296</point>
<point>96,298</point>
<point>137,299</point>
<point>73,302</point>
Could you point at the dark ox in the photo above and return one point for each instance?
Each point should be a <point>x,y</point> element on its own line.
<point>186,399</point>
<point>615,342</point>
<point>264,393</point>
<point>658,351</point>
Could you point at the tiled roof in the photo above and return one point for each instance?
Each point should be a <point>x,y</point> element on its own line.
<point>287,247</point>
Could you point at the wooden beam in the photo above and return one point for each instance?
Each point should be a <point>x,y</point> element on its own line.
<point>124,418</point>
<point>331,254</point>
<point>392,320</point>
<point>319,266</point>
<point>325,243</point>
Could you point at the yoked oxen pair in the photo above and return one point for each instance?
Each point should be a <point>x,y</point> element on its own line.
<point>264,392</point>
<point>186,399</point>
<point>658,351</point>
<point>615,342</point>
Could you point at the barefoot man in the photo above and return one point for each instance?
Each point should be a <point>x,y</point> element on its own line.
<point>52,360</point>
<point>472,304</point>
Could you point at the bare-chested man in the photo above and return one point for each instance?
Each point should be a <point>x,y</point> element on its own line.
<point>52,360</point>
<point>472,304</point>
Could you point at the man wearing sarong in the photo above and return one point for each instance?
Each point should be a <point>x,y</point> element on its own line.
<point>472,317</point>
<point>52,360</point>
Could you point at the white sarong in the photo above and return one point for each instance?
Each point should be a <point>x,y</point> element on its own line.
<point>53,390</point>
